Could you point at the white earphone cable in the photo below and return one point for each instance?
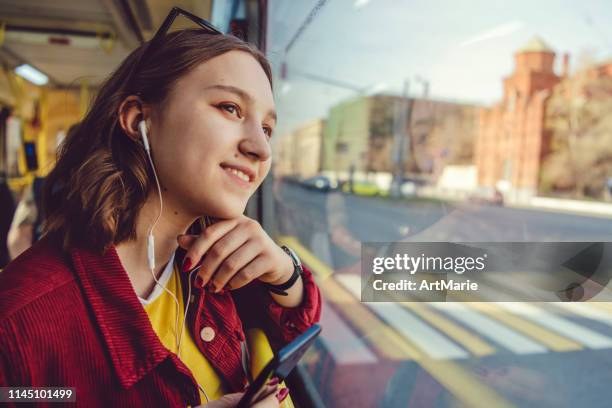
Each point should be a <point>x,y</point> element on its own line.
<point>151,250</point>
<point>178,336</point>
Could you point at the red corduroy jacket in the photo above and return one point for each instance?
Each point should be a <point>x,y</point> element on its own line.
<point>74,320</point>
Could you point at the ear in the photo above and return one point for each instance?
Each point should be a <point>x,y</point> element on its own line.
<point>131,111</point>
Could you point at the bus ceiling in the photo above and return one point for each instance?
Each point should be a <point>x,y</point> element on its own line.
<point>71,41</point>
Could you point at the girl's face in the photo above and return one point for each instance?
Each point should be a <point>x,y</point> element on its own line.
<point>211,139</point>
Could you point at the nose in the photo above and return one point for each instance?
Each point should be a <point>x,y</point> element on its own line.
<point>255,144</point>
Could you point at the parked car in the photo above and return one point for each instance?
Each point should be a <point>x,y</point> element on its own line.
<point>321,183</point>
<point>364,188</point>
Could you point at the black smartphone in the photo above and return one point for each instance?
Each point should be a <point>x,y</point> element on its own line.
<point>280,366</point>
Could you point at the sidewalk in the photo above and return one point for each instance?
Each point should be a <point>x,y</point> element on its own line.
<point>592,208</point>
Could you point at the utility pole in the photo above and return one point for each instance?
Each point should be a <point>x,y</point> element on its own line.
<point>400,135</point>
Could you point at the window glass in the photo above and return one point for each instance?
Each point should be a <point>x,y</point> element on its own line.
<point>452,121</point>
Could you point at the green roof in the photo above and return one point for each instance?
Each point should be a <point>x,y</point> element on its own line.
<point>536,44</point>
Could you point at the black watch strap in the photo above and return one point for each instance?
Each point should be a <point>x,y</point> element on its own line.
<point>297,271</point>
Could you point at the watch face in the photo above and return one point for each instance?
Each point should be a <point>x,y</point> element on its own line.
<point>293,255</point>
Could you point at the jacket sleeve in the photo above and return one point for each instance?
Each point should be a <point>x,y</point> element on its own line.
<point>282,323</point>
<point>294,321</point>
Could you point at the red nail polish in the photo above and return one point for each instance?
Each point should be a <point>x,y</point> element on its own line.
<point>199,281</point>
<point>186,264</point>
<point>282,394</point>
<point>273,381</point>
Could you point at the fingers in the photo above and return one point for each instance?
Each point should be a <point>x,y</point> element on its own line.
<point>282,394</point>
<point>234,265</point>
<point>201,244</point>
<point>185,241</point>
<point>231,251</point>
<point>252,270</point>
<point>220,251</point>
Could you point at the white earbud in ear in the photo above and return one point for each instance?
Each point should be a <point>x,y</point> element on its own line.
<point>142,126</point>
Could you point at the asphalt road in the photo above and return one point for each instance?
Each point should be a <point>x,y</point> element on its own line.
<point>528,355</point>
<point>308,214</point>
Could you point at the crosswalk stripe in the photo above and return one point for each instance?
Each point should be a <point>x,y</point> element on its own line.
<point>563,326</point>
<point>418,332</point>
<point>606,306</point>
<point>550,339</point>
<point>585,310</point>
<point>491,329</point>
<point>341,342</point>
<point>471,342</point>
<point>386,341</point>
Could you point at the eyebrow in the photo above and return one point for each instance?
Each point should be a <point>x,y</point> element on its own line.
<point>242,94</point>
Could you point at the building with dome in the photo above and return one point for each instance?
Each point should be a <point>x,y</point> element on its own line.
<point>511,138</point>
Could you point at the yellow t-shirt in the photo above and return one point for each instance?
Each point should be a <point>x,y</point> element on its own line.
<point>162,311</point>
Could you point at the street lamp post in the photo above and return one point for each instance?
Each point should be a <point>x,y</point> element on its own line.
<point>400,134</point>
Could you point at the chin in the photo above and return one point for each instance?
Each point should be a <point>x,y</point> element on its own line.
<point>228,210</point>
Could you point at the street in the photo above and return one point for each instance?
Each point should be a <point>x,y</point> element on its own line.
<point>445,354</point>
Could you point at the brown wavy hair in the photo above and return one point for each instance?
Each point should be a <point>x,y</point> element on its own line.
<point>102,178</point>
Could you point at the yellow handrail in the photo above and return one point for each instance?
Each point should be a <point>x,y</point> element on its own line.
<point>261,353</point>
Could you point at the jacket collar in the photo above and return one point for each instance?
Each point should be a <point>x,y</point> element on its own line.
<point>134,347</point>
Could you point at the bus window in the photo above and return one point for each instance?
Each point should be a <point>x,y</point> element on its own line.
<point>444,122</point>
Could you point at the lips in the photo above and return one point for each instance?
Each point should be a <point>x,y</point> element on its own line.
<point>244,173</point>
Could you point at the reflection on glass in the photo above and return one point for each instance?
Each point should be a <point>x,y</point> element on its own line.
<point>445,121</point>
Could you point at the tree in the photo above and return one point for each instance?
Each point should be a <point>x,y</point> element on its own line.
<point>578,119</point>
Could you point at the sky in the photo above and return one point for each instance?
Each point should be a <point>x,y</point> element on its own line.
<point>463,48</point>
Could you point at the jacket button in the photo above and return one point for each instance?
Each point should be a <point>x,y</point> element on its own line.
<point>207,334</point>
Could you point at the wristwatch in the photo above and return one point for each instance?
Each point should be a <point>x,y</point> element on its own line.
<point>297,272</point>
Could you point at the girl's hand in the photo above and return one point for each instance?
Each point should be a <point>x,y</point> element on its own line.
<point>237,251</point>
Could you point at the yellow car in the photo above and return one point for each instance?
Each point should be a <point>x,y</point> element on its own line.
<point>364,188</point>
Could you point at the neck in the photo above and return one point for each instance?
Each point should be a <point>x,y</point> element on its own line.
<point>133,254</point>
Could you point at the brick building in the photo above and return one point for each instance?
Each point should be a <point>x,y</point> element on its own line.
<point>511,138</point>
